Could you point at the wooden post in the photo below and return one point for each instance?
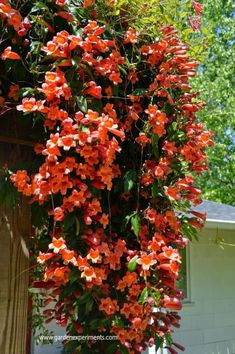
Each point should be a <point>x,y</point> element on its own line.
<point>14,264</point>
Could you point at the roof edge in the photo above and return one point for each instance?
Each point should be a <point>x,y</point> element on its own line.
<point>224,224</point>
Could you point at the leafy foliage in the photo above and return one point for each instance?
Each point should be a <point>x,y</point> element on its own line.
<point>117,145</point>
<point>215,81</point>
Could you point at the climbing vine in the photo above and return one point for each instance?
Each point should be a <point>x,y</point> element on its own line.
<point>112,188</point>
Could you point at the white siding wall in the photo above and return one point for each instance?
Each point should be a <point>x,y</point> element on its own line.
<point>208,322</point>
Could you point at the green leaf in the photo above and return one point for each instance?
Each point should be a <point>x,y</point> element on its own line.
<point>157,296</point>
<point>158,342</point>
<point>169,340</point>
<point>112,348</point>
<point>127,220</point>
<point>84,298</point>
<point>82,103</point>
<point>132,264</point>
<point>39,6</point>
<point>26,92</point>
<point>139,92</point>
<point>154,189</point>
<point>123,349</point>
<point>154,141</point>
<point>89,305</point>
<point>144,296</point>
<point>136,223</point>
<point>74,275</point>
<point>189,231</point>
<point>129,180</point>
<point>69,221</point>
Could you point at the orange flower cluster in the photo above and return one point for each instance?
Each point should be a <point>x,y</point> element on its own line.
<point>120,142</point>
<point>14,18</point>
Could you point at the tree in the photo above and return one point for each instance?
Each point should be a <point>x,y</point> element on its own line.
<point>215,81</point>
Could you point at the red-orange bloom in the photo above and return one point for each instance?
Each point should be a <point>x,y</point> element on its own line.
<point>104,220</point>
<point>28,105</point>
<point>108,306</point>
<point>87,3</point>
<point>131,36</point>
<point>146,261</point>
<point>68,256</point>
<point>9,54</point>
<point>57,244</point>
<point>94,256</point>
<point>88,273</point>
<point>43,257</point>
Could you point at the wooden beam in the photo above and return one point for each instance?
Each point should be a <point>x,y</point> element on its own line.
<point>12,140</point>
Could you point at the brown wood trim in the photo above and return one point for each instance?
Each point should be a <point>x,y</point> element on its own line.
<point>12,140</point>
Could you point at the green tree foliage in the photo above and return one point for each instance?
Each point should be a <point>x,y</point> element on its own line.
<point>214,46</point>
<point>216,83</point>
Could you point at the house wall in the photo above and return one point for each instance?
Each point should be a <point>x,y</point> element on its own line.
<point>208,321</point>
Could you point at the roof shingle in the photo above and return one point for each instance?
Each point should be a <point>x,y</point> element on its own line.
<point>217,211</point>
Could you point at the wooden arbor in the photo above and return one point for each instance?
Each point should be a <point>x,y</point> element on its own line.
<point>14,254</point>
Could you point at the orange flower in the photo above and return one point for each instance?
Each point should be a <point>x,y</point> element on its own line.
<point>146,260</point>
<point>13,92</point>
<point>82,263</point>
<point>38,148</point>
<point>106,172</point>
<point>120,247</point>
<point>68,256</point>
<point>28,105</point>
<point>142,139</point>
<point>108,306</point>
<point>104,220</point>
<point>51,146</point>
<point>43,257</point>
<point>61,275</point>
<point>58,214</point>
<point>94,256</point>
<point>67,142</point>
<point>115,77</point>
<point>51,48</point>
<point>57,244</point>
<point>8,54</point>
<point>109,91</point>
<point>20,179</point>
<point>172,220</point>
<point>66,15</point>
<point>128,281</point>
<point>88,273</point>
<point>5,9</point>
<point>93,90</point>
<point>15,19</point>
<point>172,193</point>
<point>61,2</point>
<point>94,207</point>
<point>113,260</point>
<point>171,303</point>
<point>131,36</point>
<point>87,3</point>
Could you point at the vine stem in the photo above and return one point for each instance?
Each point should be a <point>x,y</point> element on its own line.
<point>140,174</point>
<point>54,222</point>
<point>110,214</point>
